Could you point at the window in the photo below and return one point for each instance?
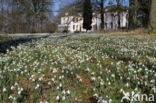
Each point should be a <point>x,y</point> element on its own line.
<point>73,27</point>
<point>73,19</point>
<point>77,19</point>
<point>111,25</point>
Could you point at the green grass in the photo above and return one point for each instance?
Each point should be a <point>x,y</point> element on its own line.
<point>85,65</point>
<point>2,38</point>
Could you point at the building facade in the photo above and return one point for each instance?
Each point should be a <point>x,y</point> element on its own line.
<point>74,23</point>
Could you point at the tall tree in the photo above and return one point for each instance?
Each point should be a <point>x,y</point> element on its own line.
<point>119,10</point>
<point>25,15</point>
<point>87,15</point>
<point>102,13</point>
<point>152,23</point>
<point>1,15</point>
<point>133,14</point>
<point>143,12</point>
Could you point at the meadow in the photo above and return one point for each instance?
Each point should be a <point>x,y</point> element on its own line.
<point>4,38</point>
<point>79,69</point>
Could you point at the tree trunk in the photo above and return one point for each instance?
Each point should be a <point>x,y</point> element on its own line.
<point>102,14</point>
<point>119,23</point>
<point>152,23</point>
<point>2,16</point>
<point>133,14</point>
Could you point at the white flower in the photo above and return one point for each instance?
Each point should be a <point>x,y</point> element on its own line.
<point>49,83</point>
<point>93,78</point>
<point>102,101</point>
<point>109,83</point>
<point>57,87</point>
<point>40,79</point>
<point>113,75</point>
<point>58,98</point>
<point>11,97</point>
<point>4,89</point>
<point>37,86</point>
<point>64,92</point>
<point>127,85</point>
<point>19,92</point>
<point>16,84</point>
<point>93,73</point>
<point>95,95</point>
<point>60,85</point>
<point>101,83</point>
<point>152,81</point>
<point>68,92</point>
<point>63,98</point>
<point>154,89</point>
<point>12,88</point>
<point>110,100</point>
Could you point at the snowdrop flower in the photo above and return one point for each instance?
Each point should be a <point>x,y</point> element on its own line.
<point>58,88</point>
<point>52,79</point>
<point>80,80</point>
<point>99,77</point>
<point>49,83</point>
<point>11,97</point>
<point>55,70</point>
<point>113,75</point>
<point>33,80</point>
<point>109,83</point>
<point>154,89</point>
<point>64,92</point>
<point>101,83</point>
<point>19,92</point>
<point>37,86</point>
<point>94,89</point>
<point>58,98</point>
<point>4,89</point>
<point>110,100</point>
<point>127,85</point>
<point>43,102</point>
<point>93,78</point>
<point>68,92</point>
<point>152,81</point>
<point>76,99</point>
<point>63,98</point>
<point>40,79</point>
<point>60,85</point>
<point>16,84</point>
<point>88,70</point>
<point>93,73</point>
<point>12,88</point>
<point>95,95</point>
<point>102,101</point>
<point>107,79</point>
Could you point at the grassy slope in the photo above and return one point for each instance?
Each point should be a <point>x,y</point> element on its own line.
<point>85,65</point>
<point>2,38</point>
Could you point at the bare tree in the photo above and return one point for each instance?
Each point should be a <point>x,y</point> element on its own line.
<point>25,15</point>
<point>152,23</point>
<point>133,14</point>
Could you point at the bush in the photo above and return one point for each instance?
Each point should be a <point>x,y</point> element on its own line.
<point>65,31</point>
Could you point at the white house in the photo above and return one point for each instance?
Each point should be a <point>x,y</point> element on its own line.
<point>74,23</point>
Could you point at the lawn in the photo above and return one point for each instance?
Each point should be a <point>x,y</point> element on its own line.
<point>2,38</point>
<point>79,69</point>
